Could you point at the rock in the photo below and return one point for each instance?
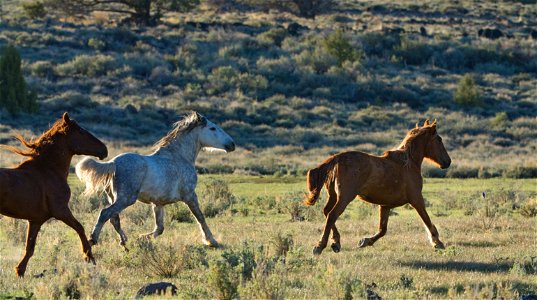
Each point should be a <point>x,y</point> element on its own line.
<point>158,288</point>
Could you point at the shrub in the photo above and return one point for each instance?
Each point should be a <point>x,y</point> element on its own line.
<point>224,280</point>
<point>305,8</point>
<point>340,47</point>
<point>167,260</point>
<point>282,244</point>
<point>87,65</point>
<point>273,36</point>
<point>34,9</point>
<point>499,119</point>
<point>462,172</point>
<point>217,197</point>
<point>529,209</point>
<point>413,52</point>
<point>520,172</point>
<point>14,93</point>
<point>43,69</point>
<point>467,93</point>
<point>180,213</point>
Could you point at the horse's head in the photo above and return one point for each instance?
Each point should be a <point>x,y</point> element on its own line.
<point>212,136</point>
<point>80,141</point>
<point>435,150</point>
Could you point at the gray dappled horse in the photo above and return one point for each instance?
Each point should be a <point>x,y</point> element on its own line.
<point>166,176</point>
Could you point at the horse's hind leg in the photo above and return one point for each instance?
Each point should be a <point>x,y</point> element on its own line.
<point>384,214</point>
<point>158,213</point>
<point>332,199</point>
<point>208,238</point>
<point>67,217</point>
<point>433,233</point>
<point>343,200</point>
<point>106,214</point>
<point>116,222</point>
<point>33,230</point>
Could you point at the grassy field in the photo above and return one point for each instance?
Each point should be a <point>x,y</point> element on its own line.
<point>265,254</point>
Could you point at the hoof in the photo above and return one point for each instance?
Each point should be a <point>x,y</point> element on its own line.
<point>92,242</point>
<point>336,247</point>
<point>20,272</point>
<point>90,259</point>
<point>365,242</point>
<point>439,245</point>
<point>317,250</point>
<point>211,244</point>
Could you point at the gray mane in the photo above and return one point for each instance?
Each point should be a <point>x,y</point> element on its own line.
<point>181,127</point>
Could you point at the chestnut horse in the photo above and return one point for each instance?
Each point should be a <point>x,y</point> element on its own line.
<point>389,181</point>
<point>37,189</point>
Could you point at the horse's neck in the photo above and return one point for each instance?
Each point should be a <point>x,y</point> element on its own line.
<point>186,146</point>
<point>56,159</point>
<point>416,152</point>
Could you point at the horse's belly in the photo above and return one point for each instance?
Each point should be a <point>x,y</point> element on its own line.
<point>156,199</point>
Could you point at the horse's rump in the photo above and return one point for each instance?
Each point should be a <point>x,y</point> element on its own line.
<point>96,175</point>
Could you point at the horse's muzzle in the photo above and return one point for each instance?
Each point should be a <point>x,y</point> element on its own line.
<point>103,154</point>
<point>446,164</point>
<point>230,147</point>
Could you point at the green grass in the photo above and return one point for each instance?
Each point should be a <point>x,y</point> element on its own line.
<point>478,262</point>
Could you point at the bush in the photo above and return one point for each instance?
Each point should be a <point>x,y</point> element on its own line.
<point>273,36</point>
<point>467,93</point>
<point>87,65</point>
<point>529,209</point>
<point>14,94</point>
<point>180,213</point>
<point>306,8</point>
<point>340,47</point>
<point>520,172</point>
<point>217,197</point>
<point>43,69</point>
<point>34,9</point>
<point>224,280</point>
<point>462,172</point>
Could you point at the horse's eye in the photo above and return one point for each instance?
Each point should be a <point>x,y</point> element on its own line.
<point>212,128</point>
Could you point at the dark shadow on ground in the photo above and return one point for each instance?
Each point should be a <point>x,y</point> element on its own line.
<point>462,266</point>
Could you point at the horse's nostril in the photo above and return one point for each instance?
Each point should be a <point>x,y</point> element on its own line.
<point>230,147</point>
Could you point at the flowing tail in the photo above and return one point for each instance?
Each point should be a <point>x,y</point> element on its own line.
<point>96,175</point>
<point>317,177</point>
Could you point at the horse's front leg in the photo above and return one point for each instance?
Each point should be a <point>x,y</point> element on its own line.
<point>33,230</point>
<point>433,233</point>
<point>384,214</point>
<point>193,204</point>
<point>65,215</point>
<point>158,213</point>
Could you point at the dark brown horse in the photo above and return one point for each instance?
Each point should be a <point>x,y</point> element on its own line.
<point>37,189</point>
<point>389,181</point>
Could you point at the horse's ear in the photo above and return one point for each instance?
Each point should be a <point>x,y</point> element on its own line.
<point>426,123</point>
<point>434,123</point>
<point>417,125</point>
<point>66,118</point>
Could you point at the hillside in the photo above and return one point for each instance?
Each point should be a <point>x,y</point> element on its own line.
<point>282,86</point>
